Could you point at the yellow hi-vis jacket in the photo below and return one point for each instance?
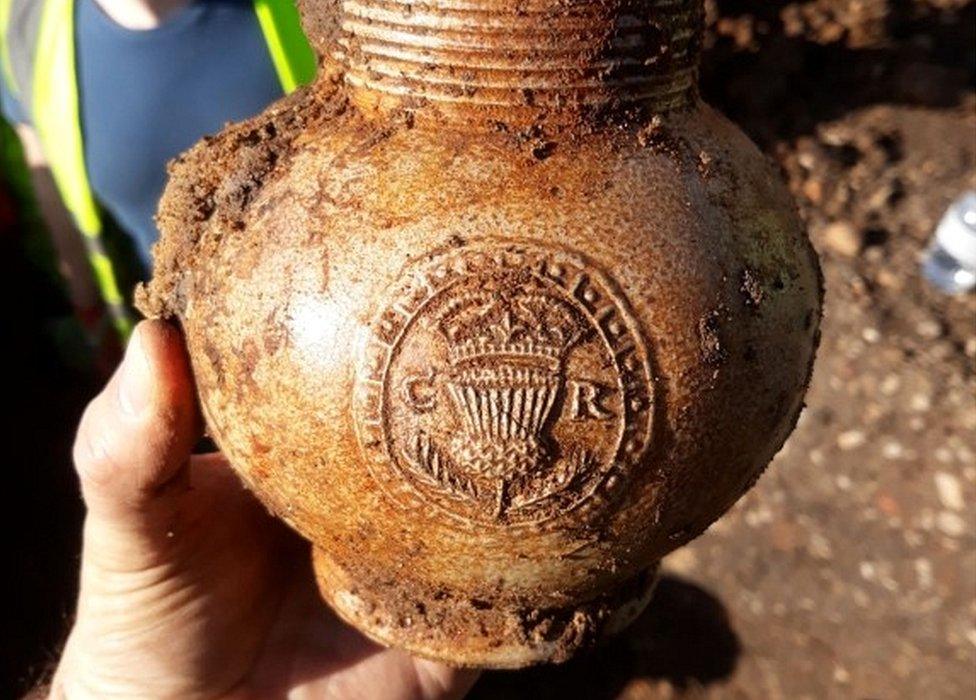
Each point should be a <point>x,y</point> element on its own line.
<point>37,56</point>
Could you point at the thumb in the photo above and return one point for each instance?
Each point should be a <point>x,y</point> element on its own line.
<point>135,437</point>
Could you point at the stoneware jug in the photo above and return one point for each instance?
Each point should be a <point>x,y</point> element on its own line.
<point>496,313</point>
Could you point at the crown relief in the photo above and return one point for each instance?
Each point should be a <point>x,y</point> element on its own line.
<point>513,402</point>
<point>513,324</point>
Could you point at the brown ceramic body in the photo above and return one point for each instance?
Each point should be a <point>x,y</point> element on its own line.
<point>366,283</point>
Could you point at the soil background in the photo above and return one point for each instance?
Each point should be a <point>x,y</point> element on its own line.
<point>850,570</point>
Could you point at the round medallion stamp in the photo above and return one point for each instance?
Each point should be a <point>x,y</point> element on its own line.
<point>504,384</point>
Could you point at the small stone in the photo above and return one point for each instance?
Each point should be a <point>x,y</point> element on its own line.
<point>758,516</point>
<point>886,278</point>
<point>950,524</point>
<point>820,546</point>
<point>874,254</point>
<point>929,329</point>
<point>923,570</point>
<point>813,190</point>
<point>851,439</point>
<point>892,450</point>
<point>920,403</point>
<point>867,570</point>
<point>890,385</point>
<point>913,538</point>
<point>841,675</point>
<point>950,491</point>
<point>841,237</point>
<point>871,335</point>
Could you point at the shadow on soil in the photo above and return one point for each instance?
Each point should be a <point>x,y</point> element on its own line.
<point>684,637</point>
<point>779,86</point>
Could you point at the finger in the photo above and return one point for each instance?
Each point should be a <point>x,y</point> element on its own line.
<point>136,436</point>
<point>440,682</point>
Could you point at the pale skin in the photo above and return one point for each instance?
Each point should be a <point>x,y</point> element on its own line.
<point>189,588</point>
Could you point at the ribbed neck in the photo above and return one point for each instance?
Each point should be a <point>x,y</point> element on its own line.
<point>520,61</point>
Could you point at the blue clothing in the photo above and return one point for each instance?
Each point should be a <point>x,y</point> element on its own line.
<point>146,96</point>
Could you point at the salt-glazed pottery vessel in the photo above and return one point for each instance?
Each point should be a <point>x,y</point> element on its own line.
<point>497,313</point>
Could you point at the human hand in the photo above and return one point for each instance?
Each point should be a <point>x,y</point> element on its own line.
<point>189,589</point>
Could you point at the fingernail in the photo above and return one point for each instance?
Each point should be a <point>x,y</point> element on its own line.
<point>136,385</point>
